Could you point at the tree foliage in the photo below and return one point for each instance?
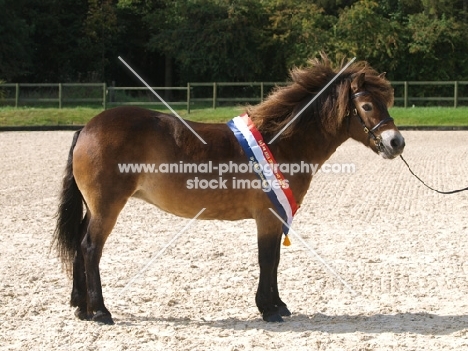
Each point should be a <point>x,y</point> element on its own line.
<point>228,40</point>
<point>363,31</point>
<point>214,40</point>
<point>100,34</point>
<point>15,40</point>
<point>301,28</point>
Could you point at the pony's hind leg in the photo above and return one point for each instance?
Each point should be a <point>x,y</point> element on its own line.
<point>101,223</point>
<point>105,191</point>
<point>79,291</point>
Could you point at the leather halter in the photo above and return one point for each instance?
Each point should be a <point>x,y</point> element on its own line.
<point>377,139</point>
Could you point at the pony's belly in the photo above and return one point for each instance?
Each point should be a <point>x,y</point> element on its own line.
<point>221,204</point>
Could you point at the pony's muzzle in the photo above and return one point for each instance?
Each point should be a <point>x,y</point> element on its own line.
<point>393,144</point>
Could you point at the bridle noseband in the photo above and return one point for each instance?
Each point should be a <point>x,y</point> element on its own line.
<point>377,139</point>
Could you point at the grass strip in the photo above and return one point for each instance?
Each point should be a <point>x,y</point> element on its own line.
<point>413,116</point>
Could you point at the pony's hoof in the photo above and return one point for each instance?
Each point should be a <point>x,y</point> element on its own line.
<point>104,318</point>
<point>284,311</point>
<point>273,318</point>
<point>83,315</point>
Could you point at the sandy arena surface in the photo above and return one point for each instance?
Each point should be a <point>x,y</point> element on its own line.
<point>401,247</point>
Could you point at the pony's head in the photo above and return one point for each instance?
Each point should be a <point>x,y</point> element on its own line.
<point>367,117</point>
<point>355,105</point>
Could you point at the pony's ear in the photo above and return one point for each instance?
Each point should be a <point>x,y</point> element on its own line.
<point>357,82</point>
<point>382,75</point>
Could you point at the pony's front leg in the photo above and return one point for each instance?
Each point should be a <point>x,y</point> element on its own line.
<point>269,238</point>
<point>282,308</point>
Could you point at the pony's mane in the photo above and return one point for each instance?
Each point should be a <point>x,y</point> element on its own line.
<point>329,109</point>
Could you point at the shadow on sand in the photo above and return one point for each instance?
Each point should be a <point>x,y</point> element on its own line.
<point>416,323</point>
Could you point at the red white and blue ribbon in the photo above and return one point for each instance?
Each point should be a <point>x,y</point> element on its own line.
<point>258,153</point>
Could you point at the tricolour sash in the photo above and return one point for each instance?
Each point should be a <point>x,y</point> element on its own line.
<point>258,153</point>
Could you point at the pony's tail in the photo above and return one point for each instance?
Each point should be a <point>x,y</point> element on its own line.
<point>67,232</point>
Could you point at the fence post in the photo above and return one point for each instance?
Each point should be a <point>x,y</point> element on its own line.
<point>17,95</point>
<point>214,94</point>
<point>188,98</point>
<point>405,94</point>
<point>104,95</point>
<point>455,94</point>
<point>60,94</point>
<point>261,91</point>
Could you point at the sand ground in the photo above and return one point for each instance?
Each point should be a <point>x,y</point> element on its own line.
<point>401,247</point>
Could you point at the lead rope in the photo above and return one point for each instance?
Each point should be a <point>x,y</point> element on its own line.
<point>440,192</point>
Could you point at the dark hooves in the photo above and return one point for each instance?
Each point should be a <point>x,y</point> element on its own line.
<point>104,318</point>
<point>83,315</point>
<point>284,311</point>
<point>273,318</point>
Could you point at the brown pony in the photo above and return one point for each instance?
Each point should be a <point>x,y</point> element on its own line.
<point>353,106</point>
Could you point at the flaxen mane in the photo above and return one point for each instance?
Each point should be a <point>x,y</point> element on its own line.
<point>328,110</point>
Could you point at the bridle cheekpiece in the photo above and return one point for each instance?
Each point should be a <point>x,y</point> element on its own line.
<point>377,139</point>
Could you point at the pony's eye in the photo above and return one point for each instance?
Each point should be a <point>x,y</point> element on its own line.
<point>367,107</point>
